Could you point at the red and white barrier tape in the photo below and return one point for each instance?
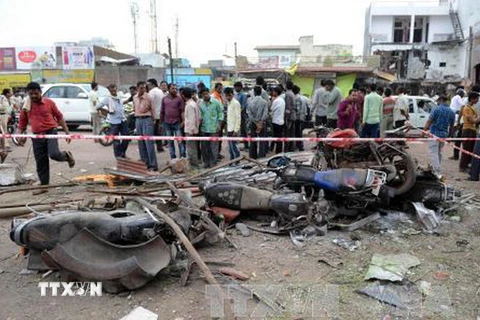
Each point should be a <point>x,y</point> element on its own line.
<point>249,139</point>
<point>449,141</point>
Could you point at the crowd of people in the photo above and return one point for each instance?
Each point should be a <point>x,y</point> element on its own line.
<point>281,112</point>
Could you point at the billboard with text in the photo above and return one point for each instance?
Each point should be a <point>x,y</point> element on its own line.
<point>29,58</point>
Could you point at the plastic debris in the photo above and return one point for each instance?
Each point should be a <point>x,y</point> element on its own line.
<point>390,267</point>
<point>243,229</point>
<point>140,313</point>
<point>425,288</point>
<point>349,245</point>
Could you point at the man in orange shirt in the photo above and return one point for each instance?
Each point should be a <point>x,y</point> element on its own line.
<point>44,118</point>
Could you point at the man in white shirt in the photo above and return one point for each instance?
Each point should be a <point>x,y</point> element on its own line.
<point>234,120</point>
<point>278,118</point>
<point>95,116</point>
<point>157,96</point>
<point>457,102</point>
<point>192,127</point>
<point>401,109</point>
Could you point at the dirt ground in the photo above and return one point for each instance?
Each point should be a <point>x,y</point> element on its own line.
<point>449,262</point>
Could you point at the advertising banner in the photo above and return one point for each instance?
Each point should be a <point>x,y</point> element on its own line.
<point>28,58</point>
<point>14,80</point>
<point>78,58</point>
<point>191,81</point>
<point>7,59</point>
<point>69,76</point>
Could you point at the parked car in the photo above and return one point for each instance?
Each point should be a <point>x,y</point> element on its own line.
<point>72,100</point>
<point>419,109</point>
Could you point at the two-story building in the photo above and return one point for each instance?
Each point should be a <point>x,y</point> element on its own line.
<point>419,40</point>
<point>306,53</point>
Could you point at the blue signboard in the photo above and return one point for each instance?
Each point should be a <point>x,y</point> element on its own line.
<point>191,81</point>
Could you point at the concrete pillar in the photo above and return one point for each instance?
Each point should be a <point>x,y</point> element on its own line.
<point>412,28</point>
<point>424,30</point>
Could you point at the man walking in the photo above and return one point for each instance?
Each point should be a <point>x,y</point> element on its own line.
<point>401,109</point>
<point>372,113</point>
<point>144,125</point>
<point>234,120</point>
<point>157,96</point>
<point>319,107</point>
<point>192,127</point>
<point>278,118</point>
<point>44,118</point>
<point>211,112</point>
<point>95,117</point>
<point>333,97</point>
<point>172,116</point>
<point>257,111</point>
<point>440,123</point>
<point>116,118</point>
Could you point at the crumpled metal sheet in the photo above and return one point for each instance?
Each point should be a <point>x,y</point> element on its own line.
<point>89,257</point>
<point>388,294</point>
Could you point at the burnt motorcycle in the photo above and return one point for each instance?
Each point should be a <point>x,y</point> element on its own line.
<point>311,195</point>
<point>388,157</point>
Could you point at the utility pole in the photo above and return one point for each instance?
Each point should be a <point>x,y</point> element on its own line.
<point>176,38</point>
<point>134,13</point>
<point>171,59</point>
<point>236,57</point>
<point>153,26</point>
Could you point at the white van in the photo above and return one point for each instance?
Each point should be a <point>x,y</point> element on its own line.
<point>72,100</point>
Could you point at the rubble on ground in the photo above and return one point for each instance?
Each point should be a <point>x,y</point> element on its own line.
<point>125,240</point>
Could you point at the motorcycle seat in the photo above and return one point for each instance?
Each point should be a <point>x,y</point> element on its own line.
<point>342,144</point>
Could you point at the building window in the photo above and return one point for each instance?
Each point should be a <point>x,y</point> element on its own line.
<point>401,31</point>
<point>442,64</point>
<point>418,30</point>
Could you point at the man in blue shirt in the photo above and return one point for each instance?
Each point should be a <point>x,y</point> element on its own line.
<point>440,123</point>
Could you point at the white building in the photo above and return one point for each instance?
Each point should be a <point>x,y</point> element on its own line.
<point>306,53</point>
<point>422,40</point>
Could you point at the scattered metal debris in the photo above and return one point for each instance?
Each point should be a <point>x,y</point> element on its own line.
<point>297,194</point>
<point>426,216</point>
<point>385,293</point>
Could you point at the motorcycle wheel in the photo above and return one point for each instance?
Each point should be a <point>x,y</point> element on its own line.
<point>406,171</point>
<point>106,142</point>
<point>12,129</point>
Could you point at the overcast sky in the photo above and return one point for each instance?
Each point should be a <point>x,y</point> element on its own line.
<point>208,28</point>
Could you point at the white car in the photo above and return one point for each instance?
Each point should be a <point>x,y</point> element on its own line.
<point>419,109</point>
<point>72,100</point>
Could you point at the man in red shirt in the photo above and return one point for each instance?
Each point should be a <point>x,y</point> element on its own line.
<point>44,118</point>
